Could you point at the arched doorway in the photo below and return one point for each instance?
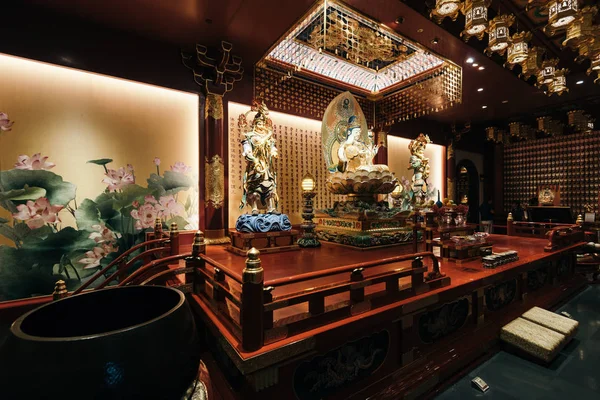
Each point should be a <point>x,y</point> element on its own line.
<point>467,184</point>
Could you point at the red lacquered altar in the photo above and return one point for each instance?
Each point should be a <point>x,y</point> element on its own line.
<point>334,322</point>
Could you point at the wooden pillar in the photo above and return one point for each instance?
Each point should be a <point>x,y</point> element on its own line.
<point>216,74</point>
<point>214,170</point>
<point>450,172</point>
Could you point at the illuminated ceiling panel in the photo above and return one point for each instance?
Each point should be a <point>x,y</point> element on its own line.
<point>337,43</point>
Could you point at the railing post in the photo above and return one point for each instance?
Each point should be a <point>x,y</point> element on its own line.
<point>509,225</point>
<point>174,239</point>
<point>252,310</point>
<point>417,277</point>
<point>60,290</point>
<point>579,221</point>
<point>220,278</point>
<point>357,294</point>
<point>199,247</point>
<point>158,228</point>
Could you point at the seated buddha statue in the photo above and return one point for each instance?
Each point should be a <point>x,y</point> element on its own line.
<point>356,155</point>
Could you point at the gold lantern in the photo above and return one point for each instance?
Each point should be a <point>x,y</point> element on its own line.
<point>546,74</point>
<point>518,49</point>
<point>559,83</point>
<point>445,8</point>
<point>499,35</point>
<point>560,14</point>
<point>476,18</point>
<point>533,64</point>
<point>582,28</point>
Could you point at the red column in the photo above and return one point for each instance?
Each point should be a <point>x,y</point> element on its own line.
<point>214,170</point>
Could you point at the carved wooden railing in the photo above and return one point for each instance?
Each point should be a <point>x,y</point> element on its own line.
<point>152,249</point>
<point>564,236</point>
<point>530,229</point>
<point>228,294</point>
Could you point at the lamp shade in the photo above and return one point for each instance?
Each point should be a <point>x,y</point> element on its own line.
<point>518,50</point>
<point>308,183</point>
<point>499,35</point>
<point>445,8</point>
<point>561,12</point>
<point>476,18</point>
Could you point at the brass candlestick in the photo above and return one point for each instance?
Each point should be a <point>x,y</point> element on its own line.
<point>308,238</point>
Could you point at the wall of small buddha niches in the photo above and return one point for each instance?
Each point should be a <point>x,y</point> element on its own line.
<point>298,141</point>
<point>290,94</point>
<point>571,161</point>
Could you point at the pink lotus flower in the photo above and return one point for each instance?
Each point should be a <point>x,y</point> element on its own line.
<point>38,214</point>
<point>156,161</point>
<point>34,162</point>
<point>181,168</point>
<point>144,216</point>
<point>5,123</point>
<point>118,179</point>
<point>169,207</point>
<point>103,234</point>
<point>150,199</point>
<point>93,257</point>
<point>135,204</point>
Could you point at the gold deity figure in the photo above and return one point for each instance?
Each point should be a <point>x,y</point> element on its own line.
<point>259,151</point>
<point>356,155</point>
<point>420,166</point>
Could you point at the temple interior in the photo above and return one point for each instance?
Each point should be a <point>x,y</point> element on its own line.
<point>330,199</point>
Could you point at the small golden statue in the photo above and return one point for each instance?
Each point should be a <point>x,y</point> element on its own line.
<point>420,166</point>
<point>260,178</point>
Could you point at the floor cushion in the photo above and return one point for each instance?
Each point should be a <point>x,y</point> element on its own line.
<point>550,320</point>
<point>534,339</point>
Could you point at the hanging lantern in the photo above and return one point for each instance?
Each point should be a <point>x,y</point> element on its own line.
<point>560,14</point>
<point>518,49</point>
<point>582,28</point>
<point>499,35</point>
<point>476,18</point>
<point>445,8</point>
<point>533,64</point>
<point>559,83</point>
<point>547,72</point>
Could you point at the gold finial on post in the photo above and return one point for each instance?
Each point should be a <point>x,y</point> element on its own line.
<point>510,217</point>
<point>158,227</point>
<point>60,290</point>
<point>579,220</point>
<point>199,246</point>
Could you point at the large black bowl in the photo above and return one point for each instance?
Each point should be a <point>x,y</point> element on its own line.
<point>136,342</point>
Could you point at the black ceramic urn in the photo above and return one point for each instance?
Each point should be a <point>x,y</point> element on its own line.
<point>136,342</point>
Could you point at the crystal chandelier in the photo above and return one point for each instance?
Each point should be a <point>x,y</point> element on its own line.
<point>476,18</point>
<point>561,13</point>
<point>445,8</point>
<point>518,49</point>
<point>559,83</point>
<point>499,35</point>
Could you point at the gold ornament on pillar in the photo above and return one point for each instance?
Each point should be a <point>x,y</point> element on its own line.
<point>213,106</point>
<point>214,181</point>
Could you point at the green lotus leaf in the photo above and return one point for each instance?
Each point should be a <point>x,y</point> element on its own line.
<point>100,161</point>
<point>180,221</point>
<point>172,182</point>
<point>87,215</point>
<point>57,191</point>
<point>129,194</point>
<point>3,220</point>
<point>27,193</point>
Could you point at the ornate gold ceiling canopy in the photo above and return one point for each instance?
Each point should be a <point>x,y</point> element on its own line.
<point>340,46</point>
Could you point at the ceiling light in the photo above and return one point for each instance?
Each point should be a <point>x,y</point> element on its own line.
<point>435,41</point>
<point>481,68</point>
<point>480,89</point>
<point>483,106</point>
<point>580,82</point>
<point>475,65</point>
<point>504,101</point>
<point>561,12</point>
<point>470,60</point>
<point>399,20</point>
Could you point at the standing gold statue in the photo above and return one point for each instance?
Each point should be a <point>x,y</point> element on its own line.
<point>420,166</point>
<point>260,179</point>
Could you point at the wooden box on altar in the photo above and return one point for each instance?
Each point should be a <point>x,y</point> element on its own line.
<point>267,242</point>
